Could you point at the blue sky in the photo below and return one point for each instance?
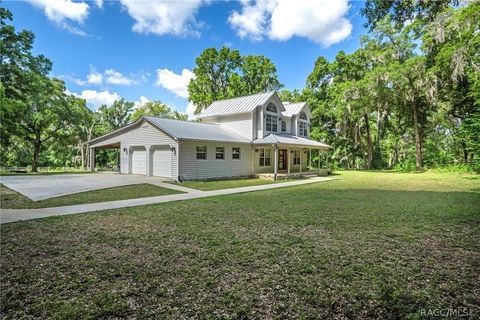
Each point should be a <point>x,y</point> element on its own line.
<point>145,50</point>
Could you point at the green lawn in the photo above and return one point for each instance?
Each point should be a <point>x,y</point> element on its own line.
<point>226,184</point>
<point>367,245</point>
<point>10,199</point>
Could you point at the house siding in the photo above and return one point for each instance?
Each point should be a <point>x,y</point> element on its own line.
<point>239,123</point>
<point>143,135</point>
<point>191,168</point>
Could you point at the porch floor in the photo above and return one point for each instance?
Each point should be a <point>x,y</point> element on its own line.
<point>282,175</point>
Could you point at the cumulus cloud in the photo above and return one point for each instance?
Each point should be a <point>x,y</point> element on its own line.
<point>94,77</point>
<point>96,98</point>
<point>176,83</point>
<point>322,21</point>
<point>141,102</point>
<point>164,17</point>
<point>61,12</point>
<point>190,111</point>
<point>115,77</point>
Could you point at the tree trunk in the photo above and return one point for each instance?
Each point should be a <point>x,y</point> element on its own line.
<point>82,154</point>
<point>418,140</point>
<point>37,145</point>
<point>369,142</point>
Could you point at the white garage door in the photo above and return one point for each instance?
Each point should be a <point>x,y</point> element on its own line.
<point>139,161</point>
<point>162,162</point>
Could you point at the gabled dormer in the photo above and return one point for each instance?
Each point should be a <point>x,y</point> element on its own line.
<point>298,116</point>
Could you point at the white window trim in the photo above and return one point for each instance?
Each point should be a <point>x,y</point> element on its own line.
<point>222,159</point>
<point>264,157</point>
<point>239,154</point>
<point>206,153</point>
<point>306,124</point>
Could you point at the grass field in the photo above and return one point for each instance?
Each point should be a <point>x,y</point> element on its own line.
<point>10,199</point>
<point>367,245</point>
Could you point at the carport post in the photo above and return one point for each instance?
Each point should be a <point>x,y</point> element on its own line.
<point>92,159</point>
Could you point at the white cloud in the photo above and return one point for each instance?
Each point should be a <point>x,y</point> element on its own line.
<point>115,77</point>
<point>94,77</point>
<point>164,17</point>
<point>322,21</point>
<point>190,111</point>
<point>99,3</point>
<point>141,102</point>
<point>61,12</point>
<point>96,98</point>
<point>176,83</point>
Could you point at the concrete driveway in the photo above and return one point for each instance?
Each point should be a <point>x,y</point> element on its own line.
<point>49,186</point>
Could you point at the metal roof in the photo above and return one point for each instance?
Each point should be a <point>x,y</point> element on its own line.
<point>291,140</point>
<point>292,109</point>
<point>188,130</point>
<point>236,105</point>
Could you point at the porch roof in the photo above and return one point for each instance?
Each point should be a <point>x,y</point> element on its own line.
<point>287,139</point>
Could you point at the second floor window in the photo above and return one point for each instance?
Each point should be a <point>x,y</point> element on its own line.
<point>220,153</point>
<point>271,124</point>
<point>264,158</point>
<point>284,126</point>
<point>201,152</point>
<point>303,129</point>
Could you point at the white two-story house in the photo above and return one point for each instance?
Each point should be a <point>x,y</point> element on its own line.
<point>242,136</point>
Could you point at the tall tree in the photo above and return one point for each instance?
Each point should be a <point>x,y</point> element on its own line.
<point>259,74</point>
<point>157,109</point>
<point>117,115</point>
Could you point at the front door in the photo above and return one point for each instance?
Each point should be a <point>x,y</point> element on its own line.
<point>282,159</point>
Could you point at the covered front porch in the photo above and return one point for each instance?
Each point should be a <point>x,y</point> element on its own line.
<point>281,157</point>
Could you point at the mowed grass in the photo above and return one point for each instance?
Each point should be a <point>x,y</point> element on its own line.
<point>10,199</point>
<point>367,245</point>
<point>226,184</point>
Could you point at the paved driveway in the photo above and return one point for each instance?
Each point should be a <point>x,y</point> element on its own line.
<point>49,186</point>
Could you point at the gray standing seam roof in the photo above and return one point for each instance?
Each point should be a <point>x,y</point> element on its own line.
<point>187,130</point>
<point>236,105</point>
<point>292,108</point>
<point>290,139</point>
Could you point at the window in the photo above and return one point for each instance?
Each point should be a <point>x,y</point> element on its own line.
<point>303,116</point>
<point>201,152</point>
<point>220,153</point>
<point>296,157</point>
<point>302,128</point>
<point>271,123</point>
<point>271,108</point>
<point>264,157</point>
<point>236,153</point>
<point>284,126</point>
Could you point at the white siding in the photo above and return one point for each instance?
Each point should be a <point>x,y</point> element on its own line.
<point>191,168</point>
<point>239,123</point>
<point>143,135</point>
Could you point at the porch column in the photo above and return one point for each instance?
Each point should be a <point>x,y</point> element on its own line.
<point>326,161</point>
<point>310,158</point>
<point>318,159</point>
<point>301,163</point>
<point>92,159</point>
<point>275,164</point>
<point>288,160</point>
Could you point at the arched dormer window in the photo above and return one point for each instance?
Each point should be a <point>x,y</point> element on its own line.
<point>303,124</point>
<point>271,118</point>
<point>271,108</point>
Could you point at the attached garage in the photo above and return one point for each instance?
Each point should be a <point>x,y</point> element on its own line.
<point>161,161</point>
<point>139,161</point>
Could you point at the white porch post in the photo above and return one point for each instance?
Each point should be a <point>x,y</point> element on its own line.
<point>288,160</point>
<point>301,163</point>
<point>275,164</point>
<point>310,158</point>
<point>319,160</point>
<point>92,159</point>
